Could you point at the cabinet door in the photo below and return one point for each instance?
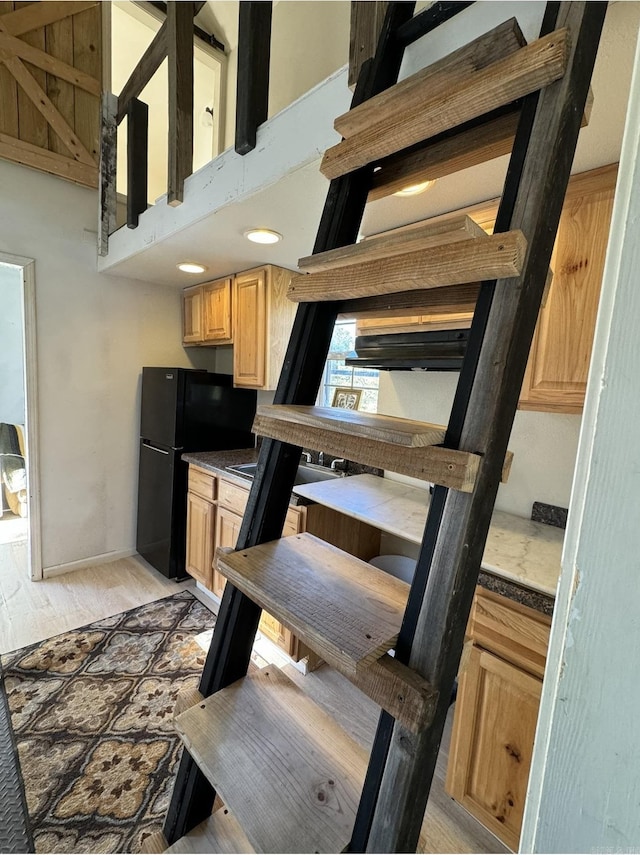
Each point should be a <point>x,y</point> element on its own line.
<point>556,377</point>
<point>249,347</point>
<point>492,742</point>
<point>216,298</point>
<point>227,530</point>
<point>192,315</point>
<point>200,526</point>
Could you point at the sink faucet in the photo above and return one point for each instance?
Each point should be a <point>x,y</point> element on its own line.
<point>321,458</point>
<point>339,462</point>
<point>306,456</point>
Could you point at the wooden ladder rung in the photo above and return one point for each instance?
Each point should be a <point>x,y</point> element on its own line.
<point>439,158</point>
<point>498,256</point>
<point>287,772</point>
<point>186,699</point>
<point>437,79</point>
<point>344,609</point>
<point>417,115</point>
<point>410,239</point>
<point>220,833</point>
<point>400,445</point>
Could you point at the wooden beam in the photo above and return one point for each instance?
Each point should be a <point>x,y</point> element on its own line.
<point>472,260</point>
<point>43,104</point>
<point>11,46</point>
<point>108,163</point>
<point>208,38</point>
<point>180,53</point>
<point>366,23</point>
<point>418,117</point>
<point>150,62</point>
<point>19,151</point>
<point>36,15</point>
<point>137,160</point>
<point>254,46</point>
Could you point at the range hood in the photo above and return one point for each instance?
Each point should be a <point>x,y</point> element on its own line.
<point>430,351</point>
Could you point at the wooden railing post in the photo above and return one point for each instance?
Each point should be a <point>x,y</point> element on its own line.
<point>180,55</point>
<point>137,160</point>
<point>107,186</point>
<point>254,48</point>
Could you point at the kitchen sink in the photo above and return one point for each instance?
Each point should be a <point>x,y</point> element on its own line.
<point>308,473</point>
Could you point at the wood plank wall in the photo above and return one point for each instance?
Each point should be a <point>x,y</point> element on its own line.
<point>76,40</point>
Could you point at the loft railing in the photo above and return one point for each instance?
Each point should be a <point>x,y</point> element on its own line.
<point>174,40</point>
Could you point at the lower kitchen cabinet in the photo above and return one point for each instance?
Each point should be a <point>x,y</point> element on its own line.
<point>232,500</point>
<point>496,712</point>
<point>227,530</point>
<point>200,526</point>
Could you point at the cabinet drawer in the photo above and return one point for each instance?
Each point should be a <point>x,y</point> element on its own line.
<point>202,483</point>
<point>516,633</point>
<point>232,497</point>
<point>294,521</point>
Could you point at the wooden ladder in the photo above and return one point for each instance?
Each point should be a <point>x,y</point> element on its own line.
<point>290,778</point>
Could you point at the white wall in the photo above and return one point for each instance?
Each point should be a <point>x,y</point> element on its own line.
<point>544,444</point>
<point>584,788</point>
<point>309,41</point>
<point>94,333</point>
<point>11,347</point>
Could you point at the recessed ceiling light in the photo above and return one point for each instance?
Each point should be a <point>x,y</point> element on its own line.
<point>191,267</point>
<point>262,235</point>
<point>414,189</point>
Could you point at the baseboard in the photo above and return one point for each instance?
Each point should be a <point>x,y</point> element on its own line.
<point>104,558</point>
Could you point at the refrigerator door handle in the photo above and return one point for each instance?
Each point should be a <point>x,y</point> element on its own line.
<point>154,448</point>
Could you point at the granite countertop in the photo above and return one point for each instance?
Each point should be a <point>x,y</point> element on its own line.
<point>216,462</point>
<point>518,550</point>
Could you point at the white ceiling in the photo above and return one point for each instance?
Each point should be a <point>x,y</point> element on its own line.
<point>279,185</point>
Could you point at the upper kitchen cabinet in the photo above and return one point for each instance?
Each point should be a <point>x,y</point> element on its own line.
<point>263,320</point>
<point>556,376</point>
<point>192,315</point>
<point>207,313</point>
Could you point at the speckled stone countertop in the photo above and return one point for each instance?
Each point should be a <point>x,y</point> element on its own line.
<point>519,552</point>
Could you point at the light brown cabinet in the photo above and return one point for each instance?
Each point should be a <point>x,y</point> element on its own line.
<point>207,313</point>
<point>192,315</point>
<point>556,376</point>
<point>441,320</point>
<point>200,525</point>
<point>263,320</point>
<point>496,712</point>
<point>250,311</point>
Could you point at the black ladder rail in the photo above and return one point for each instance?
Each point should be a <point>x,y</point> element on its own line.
<point>229,655</point>
<point>486,426</point>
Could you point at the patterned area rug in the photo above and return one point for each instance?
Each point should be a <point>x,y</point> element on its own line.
<point>92,713</point>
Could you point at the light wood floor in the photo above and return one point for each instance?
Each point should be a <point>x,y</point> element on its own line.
<point>33,611</point>
<point>447,827</point>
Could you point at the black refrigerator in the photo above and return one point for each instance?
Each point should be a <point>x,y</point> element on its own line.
<point>182,410</point>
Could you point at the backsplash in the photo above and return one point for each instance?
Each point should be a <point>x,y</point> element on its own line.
<point>549,514</point>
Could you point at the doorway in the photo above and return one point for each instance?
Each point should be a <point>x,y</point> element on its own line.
<point>20,549</point>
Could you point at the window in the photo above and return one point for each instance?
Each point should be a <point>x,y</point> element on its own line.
<point>337,375</point>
